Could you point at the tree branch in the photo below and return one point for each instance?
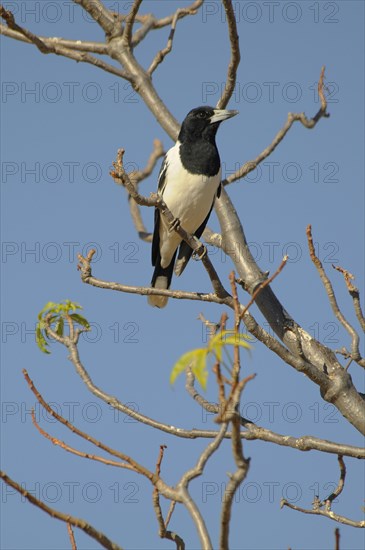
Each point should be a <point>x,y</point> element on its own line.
<point>76,452</point>
<point>72,536</point>
<point>160,56</point>
<point>317,504</point>
<point>120,176</point>
<point>102,539</point>
<point>164,533</point>
<point>354,293</point>
<point>78,45</point>
<point>355,353</point>
<point>330,514</point>
<point>55,46</point>
<point>307,355</point>
<point>235,55</point>
<point>292,117</point>
<point>101,15</point>
<point>255,432</point>
<point>136,177</point>
<point>129,22</point>
<point>122,456</point>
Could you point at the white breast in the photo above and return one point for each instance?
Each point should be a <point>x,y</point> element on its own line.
<point>189,197</point>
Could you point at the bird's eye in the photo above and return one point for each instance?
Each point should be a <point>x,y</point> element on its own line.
<point>201,114</point>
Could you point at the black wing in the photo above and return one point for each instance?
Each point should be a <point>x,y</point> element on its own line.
<point>156,231</point>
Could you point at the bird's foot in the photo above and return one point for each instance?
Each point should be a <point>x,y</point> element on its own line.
<point>197,256</point>
<point>174,225</point>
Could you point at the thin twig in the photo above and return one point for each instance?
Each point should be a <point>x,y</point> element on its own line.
<point>136,177</point>
<point>76,452</point>
<point>193,473</point>
<point>292,117</point>
<point>160,56</point>
<point>235,481</point>
<point>122,456</point>
<point>337,539</point>
<point>325,513</point>
<point>197,470</point>
<point>355,354</point>
<point>341,484</point>
<point>99,536</point>
<point>354,293</point>
<point>129,22</point>
<point>326,503</point>
<point>163,532</point>
<point>149,22</point>
<point>235,55</point>
<point>261,286</point>
<point>72,536</point>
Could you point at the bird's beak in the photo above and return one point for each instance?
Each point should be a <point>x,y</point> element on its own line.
<point>222,114</point>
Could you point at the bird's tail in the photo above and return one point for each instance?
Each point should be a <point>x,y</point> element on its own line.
<point>161,278</point>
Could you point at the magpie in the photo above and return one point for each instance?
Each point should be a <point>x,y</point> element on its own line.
<point>188,182</point>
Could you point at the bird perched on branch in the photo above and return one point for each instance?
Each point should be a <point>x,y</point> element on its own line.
<point>188,182</point>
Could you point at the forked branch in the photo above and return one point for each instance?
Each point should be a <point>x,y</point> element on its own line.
<point>318,505</point>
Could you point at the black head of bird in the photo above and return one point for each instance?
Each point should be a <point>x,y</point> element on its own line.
<point>203,123</point>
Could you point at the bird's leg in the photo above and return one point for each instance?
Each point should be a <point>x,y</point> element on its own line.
<point>174,225</point>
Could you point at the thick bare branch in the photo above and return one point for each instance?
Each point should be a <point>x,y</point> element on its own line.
<point>54,46</point>
<point>107,20</point>
<point>306,354</point>
<point>78,45</point>
<point>304,443</point>
<point>235,55</point>
<point>102,539</point>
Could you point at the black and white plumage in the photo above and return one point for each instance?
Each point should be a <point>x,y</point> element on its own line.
<point>189,181</point>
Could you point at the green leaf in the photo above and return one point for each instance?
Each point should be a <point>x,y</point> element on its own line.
<point>60,326</point>
<point>41,341</point>
<point>200,367</point>
<point>57,313</point>
<point>227,338</point>
<point>196,359</point>
<point>80,320</point>
<point>48,306</point>
<point>234,341</point>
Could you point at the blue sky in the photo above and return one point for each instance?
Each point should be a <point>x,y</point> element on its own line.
<point>62,124</point>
